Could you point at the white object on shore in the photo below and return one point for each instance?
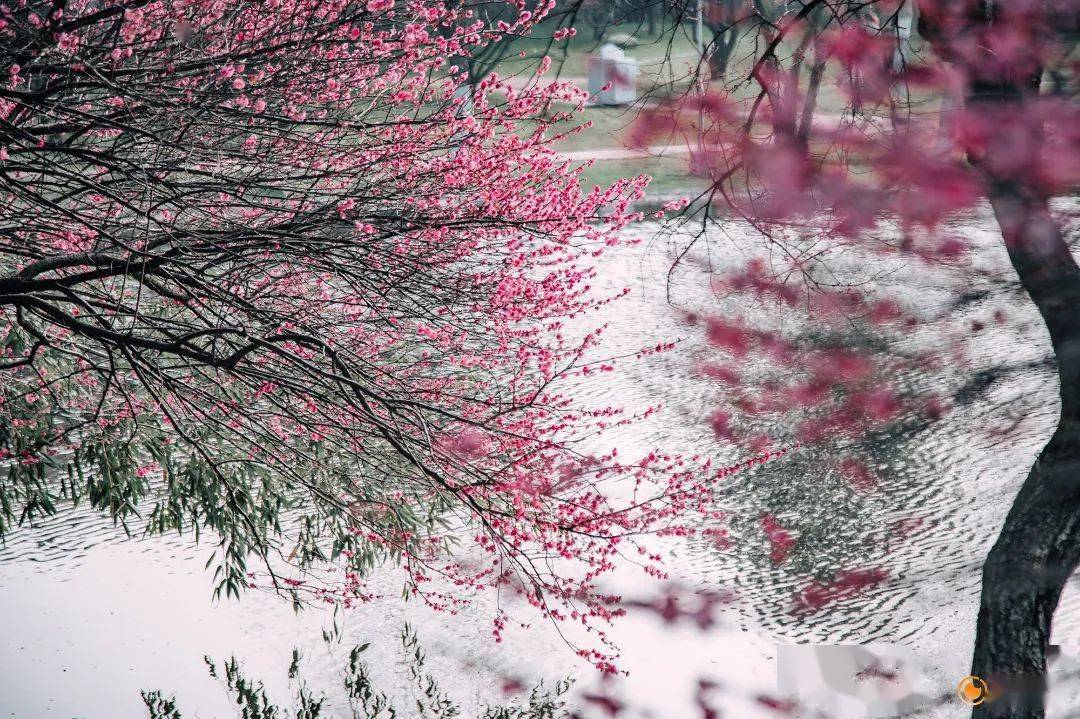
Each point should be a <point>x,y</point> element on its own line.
<point>612,76</point>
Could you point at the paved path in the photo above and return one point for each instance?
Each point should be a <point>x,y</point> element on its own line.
<point>625,153</point>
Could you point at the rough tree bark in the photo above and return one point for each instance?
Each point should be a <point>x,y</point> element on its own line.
<point>1039,545</point>
<point>725,38</point>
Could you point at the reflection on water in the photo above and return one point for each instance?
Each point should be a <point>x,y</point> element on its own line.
<point>91,617</point>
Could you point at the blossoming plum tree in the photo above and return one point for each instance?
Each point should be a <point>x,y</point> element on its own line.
<point>264,273</point>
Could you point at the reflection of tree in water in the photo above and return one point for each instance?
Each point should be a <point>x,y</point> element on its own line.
<point>834,537</point>
<point>835,529</point>
<point>819,536</point>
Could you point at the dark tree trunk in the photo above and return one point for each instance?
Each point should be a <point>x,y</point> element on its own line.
<point>651,10</point>
<point>723,46</point>
<point>806,123</point>
<point>1039,545</point>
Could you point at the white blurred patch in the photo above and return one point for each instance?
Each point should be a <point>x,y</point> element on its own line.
<point>850,680</point>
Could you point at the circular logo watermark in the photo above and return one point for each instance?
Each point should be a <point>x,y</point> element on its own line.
<point>973,691</point>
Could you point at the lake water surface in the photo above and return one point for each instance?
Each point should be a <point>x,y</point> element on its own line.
<point>91,617</point>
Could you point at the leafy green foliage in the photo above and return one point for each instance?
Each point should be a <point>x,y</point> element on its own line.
<point>363,698</point>
<point>249,509</point>
<point>158,707</point>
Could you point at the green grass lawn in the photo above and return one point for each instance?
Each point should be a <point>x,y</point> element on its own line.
<point>665,61</point>
<point>570,57</point>
<point>610,127</point>
<point>670,176</point>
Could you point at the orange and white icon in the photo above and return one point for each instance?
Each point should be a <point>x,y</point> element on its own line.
<point>973,691</point>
